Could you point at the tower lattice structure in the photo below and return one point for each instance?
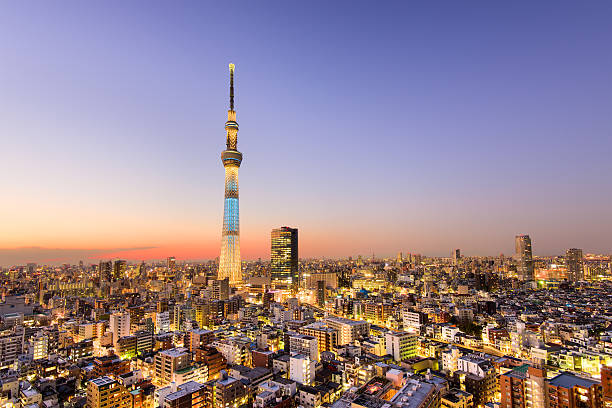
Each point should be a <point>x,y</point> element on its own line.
<point>229,261</point>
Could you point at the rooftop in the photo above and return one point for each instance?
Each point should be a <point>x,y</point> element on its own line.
<point>567,380</point>
<point>174,352</point>
<point>101,381</point>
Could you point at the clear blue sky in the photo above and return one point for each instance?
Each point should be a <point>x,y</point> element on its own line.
<point>371,126</point>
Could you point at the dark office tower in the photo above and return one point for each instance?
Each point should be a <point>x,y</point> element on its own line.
<point>119,269</point>
<point>31,268</point>
<point>456,255</point>
<point>321,293</point>
<point>573,260</point>
<point>284,258</point>
<point>142,269</point>
<point>343,276</point>
<point>524,258</point>
<point>105,270</point>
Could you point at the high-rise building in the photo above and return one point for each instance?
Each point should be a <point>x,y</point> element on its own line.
<point>456,255</point>
<point>31,268</point>
<point>321,293</point>
<point>230,265</point>
<point>220,289</point>
<point>284,257</point>
<point>301,369</point>
<point>119,324</point>
<point>105,270</point>
<point>171,263</point>
<point>573,260</point>
<point>524,258</point>
<point>119,269</point>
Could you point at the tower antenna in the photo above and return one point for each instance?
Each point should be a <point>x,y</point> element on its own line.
<point>231,68</point>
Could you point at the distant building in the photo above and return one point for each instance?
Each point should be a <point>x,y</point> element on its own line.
<point>456,256</point>
<point>524,258</point>
<point>573,261</point>
<point>119,269</point>
<point>284,258</point>
<point>171,263</point>
<point>105,270</point>
<point>321,293</point>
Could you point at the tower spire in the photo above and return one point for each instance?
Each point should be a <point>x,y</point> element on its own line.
<point>231,68</point>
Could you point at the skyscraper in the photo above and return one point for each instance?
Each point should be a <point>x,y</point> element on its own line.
<point>321,293</point>
<point>119,269</point>
<point>105,270</point>
<point>171,263</point>
<point>284,257</point>
<point>229,262</point>
<point>573,260</point>
<point>456,255</point>
<point>524,257</point>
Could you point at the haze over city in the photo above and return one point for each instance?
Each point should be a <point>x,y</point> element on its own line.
<point>372,128</point>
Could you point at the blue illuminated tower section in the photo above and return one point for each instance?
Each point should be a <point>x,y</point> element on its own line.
<point>229,262</point>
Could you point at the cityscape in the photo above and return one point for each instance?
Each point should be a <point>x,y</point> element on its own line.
<point>152,323</point>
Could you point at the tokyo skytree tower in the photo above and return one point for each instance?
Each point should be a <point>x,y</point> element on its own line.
<point>229,262</point>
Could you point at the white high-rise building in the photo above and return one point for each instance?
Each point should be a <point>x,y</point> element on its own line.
<point>119,325</point>
<point>301,369</point>
<point>162,322</point>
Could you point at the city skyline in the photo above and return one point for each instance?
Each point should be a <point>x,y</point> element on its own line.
<point>120,159</point>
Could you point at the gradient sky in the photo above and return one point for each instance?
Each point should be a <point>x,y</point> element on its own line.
<point>371,126</point>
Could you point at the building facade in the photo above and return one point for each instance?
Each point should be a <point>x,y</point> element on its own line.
<point>524,258</point>
<point>284,257</point>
